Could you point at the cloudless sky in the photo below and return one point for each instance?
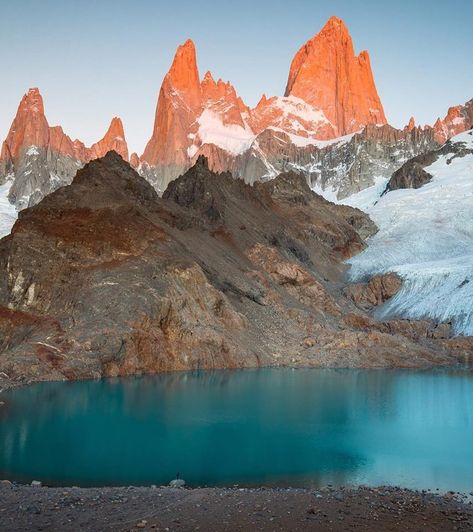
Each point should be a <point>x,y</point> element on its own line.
<point>93,59</point>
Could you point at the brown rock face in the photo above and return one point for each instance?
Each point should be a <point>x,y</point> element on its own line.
<point>375,292</point>
<point>326,74</point>
<point>105,278</point>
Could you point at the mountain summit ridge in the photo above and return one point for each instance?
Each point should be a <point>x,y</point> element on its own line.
<point>330,126</point>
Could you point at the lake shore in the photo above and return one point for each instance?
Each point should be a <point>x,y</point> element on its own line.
<point>8,383</point>
<point>231,509</point>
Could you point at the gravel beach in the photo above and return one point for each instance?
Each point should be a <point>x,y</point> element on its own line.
<point>234,509</point>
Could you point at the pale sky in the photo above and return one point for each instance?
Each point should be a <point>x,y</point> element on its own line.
<point>93,60</point>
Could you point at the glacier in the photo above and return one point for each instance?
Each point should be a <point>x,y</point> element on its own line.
<point>426,236</point>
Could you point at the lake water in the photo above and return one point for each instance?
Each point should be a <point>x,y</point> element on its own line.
<point>305,427</point>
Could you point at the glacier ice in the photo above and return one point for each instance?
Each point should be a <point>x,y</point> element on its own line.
<point>426,236</point>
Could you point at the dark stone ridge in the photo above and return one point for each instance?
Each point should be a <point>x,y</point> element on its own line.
<point>412,173</point>
<point>104,278</point>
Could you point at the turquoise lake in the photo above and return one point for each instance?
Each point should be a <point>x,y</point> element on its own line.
<point>305,427</point>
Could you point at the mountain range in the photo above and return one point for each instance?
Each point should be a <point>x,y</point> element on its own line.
<point>305,231</point>
<point>329,125</point>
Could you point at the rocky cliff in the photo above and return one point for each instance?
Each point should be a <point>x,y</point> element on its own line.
<point>330,125</point>
<point>330,93</point>
<point>412,173</point>
<point>457,120</point>
<point>328,75</point>
<point>103,277</point>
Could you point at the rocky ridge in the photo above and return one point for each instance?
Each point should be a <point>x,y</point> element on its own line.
<point>104,278</point>
<point>330,93</point>
<point>412,173</point>
<point>330,125</point>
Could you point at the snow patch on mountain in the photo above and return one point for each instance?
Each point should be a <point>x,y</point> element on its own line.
<point>426,236</point>
<point>232,138</point>
<point>367,198</point>
<point>8,213</point>
<point>301,141</point>
<point>32,150</point>
<point>298,109</point>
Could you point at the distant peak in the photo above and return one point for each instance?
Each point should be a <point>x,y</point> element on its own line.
<point>113,140</point>
<point>187,48</point>
<point>184,53</point>
<point>116,127</point>
<point>208,78</point>
<point>134,160</point>
<point>327,74</point>
<point>183,74</point>
<point>188,44</point>
<point>334,21</point>
<point>33,101</point>
<point>334,26</point>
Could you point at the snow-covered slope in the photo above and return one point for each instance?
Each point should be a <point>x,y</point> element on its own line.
<point>426,235</point>
<point>8,212</point>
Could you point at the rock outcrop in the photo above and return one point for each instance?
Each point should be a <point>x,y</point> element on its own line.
<point>375,292</point>
<point>458,119</point>
<point>328,75</point>
<point>412,173</point>
<point>103,278</point>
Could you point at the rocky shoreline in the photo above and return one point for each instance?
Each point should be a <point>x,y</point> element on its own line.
<point>231,509</point>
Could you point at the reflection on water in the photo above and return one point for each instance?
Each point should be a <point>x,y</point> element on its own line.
<point>271,426</point>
